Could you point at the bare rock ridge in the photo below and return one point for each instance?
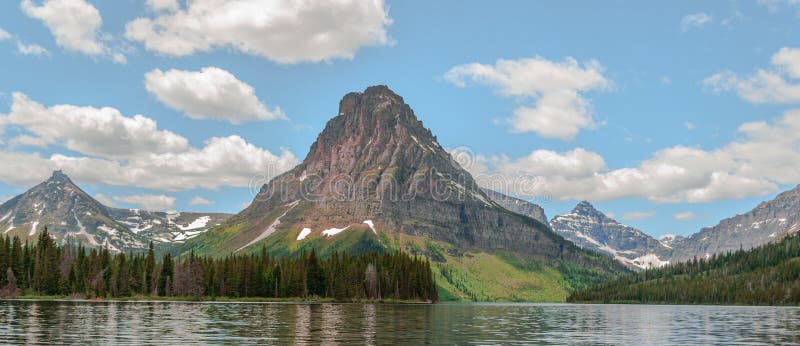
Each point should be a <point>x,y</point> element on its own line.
<point>517,205</point>
<point>769,221</point>
<point>376,161</point>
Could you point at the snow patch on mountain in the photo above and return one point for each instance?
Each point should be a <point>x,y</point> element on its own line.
<point>330,232</point>
<point>371,226</point>
<point>271,228</point>
<point>304,233</point>
<point>200,222</point>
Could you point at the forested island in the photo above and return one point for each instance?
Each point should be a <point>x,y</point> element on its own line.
<point>46,269</point>
<point>766,275</point>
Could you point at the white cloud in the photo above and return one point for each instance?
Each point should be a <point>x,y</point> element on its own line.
<point>31,49</point>
<point>108,202</point>
<point>695,20</point>
<point>102,132</point>
<point>163,5</point>
<point>119,58</point>
<point>150,202</point>
<point>224,161</point>
<point>128,151</point>
<point>75,24</point>
<point>4,35</point>
<point>209,93</point>
<point>559,109</point>
<point>283,31</point>
<point>638,215</point>
<point>776,85</point>
<point>197,200</point>
<point>684,216</point>
<point>764,156</point>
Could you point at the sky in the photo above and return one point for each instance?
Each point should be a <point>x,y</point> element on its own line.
<point>666,116</point>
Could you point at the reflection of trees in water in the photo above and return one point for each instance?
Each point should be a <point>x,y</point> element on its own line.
<point>369,318</point>
<point>331,321</point>
<point>302,324</point>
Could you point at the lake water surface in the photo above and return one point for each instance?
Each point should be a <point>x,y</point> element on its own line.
<point>457,323</point>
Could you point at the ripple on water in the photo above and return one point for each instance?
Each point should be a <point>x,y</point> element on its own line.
<point>179,322</point>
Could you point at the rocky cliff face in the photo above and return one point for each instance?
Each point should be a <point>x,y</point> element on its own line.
<point>376,162</point>
<point>765,223</point>
<point>517,205</point>
<point>589,228</point>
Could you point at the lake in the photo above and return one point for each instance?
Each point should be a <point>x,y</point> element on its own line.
<point>447,323</point>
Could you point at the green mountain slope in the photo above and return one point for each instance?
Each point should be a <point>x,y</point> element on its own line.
<point>766,275</point>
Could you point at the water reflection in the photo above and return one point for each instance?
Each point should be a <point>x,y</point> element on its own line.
<point>180,323</point>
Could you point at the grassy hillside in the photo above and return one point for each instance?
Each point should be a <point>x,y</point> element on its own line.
<point>460,275</point>
<point>767,275</point>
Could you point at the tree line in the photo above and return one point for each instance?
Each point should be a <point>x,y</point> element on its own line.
<point>44,268</point>
<point>766,275</point>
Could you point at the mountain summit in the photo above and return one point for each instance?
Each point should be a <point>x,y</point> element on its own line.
<point>68,212</point>
<point>376,178</point>
<point>591,229</point>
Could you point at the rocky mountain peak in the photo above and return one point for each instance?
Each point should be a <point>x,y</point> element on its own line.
<point>58,176</point>
<point>376,161</point>
<point>584,208</point>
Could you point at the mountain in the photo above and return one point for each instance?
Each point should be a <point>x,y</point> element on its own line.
<point>68,212</point>
<point>167,227</point>
<point>517,205</point>
<point>71,214</point>
<point>591,229</point>
<point>765,275</point>
<point>377,179</point>
<point>765,223</point>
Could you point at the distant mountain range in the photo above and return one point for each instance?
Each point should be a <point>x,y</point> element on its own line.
<point>587,227</point>
<point>70,214</point>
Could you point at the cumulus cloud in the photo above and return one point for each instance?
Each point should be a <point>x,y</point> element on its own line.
<point>778,84</point>
<point>102,132</point>
<point>197,200</point>
<point>282,31</point>
<point>163,5</point>
<point>764,156</point>
<point>551,93</point>
<point>31,49</point>
<point>128,151</point>
<point>150,202</point>
<point>638,215</point>
<point>4,35</point>
<point>209,93</point>
<point>75,24</point>
<point>695,20</point>
<point>684,216</point>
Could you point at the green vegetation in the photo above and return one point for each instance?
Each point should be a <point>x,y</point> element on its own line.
<point>71,271</point>
<point>767,275</point>
<point>460,274</point>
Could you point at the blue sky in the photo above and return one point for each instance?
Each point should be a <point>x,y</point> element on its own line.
<point>659,134</point>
